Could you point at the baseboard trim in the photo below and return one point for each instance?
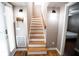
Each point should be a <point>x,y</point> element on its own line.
<point>51,48</point>
<point>13,52</point>
<point>58,51</point>
<point>55,49</point>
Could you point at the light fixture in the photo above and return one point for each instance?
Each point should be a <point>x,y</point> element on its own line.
<point>20,10</point>
<point>53,11</point>
<point>20,13</point>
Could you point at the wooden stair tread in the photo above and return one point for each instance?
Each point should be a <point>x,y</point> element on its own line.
<point>38,55</point>
<point>36,32</point>
<point>37,49</point>
<point>36,18</point>
<point>36,29</point>
<point>36,23</point>
<point>36,26</point>
<point>36,37</point>
<point>37,42</point>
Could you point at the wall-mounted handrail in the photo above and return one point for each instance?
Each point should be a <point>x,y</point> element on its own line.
<point>43,20</point>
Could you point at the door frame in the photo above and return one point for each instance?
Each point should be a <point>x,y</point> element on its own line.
<point>65,27</point>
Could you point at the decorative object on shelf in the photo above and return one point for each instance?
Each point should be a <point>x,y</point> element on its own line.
<point>19,19</point>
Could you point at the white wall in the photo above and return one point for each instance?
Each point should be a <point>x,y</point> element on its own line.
<point>23,31</point>
<point>37,11</point>
<point>52,27</point>
<point>29,14</point>
<point>44,12</point>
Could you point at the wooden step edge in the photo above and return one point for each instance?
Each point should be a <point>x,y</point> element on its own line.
<point>36,18</point>
<point>36,49</point>
<point>36,21</point>
<point>36,26</point>
<point>36,31</point>
<point>37,42</point>
<point>42,32</point>
<point>37,53</point>
<point>37,34</point>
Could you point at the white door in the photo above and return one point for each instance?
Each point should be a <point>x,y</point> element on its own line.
<point>10,26</point>
<point>4,49</point>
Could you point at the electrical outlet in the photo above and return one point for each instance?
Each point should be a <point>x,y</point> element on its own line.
<point>53,43</point>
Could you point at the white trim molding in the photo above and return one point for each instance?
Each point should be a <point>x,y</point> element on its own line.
<point>56,50</point>
<point>13,52</point>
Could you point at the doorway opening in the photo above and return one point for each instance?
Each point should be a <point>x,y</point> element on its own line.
<point>71,43</point>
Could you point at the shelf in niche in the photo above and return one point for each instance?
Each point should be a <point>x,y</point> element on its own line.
<point>73,12</point>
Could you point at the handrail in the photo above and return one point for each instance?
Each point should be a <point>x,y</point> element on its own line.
<point>43,21</point>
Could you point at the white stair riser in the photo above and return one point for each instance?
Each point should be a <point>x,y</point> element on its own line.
<point>36,25</point>
<point>37,30</point>
<point>37,40</point>
<point>36,18</point>
<point>42,52</point>
<point>36,45</point>
<point>36,21</point>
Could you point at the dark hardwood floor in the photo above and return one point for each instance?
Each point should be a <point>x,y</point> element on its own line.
<point>69,47</point>
<point>50,53</point>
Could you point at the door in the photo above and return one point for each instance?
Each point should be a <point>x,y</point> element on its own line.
<point>10,26</point>
<point>4,49</point>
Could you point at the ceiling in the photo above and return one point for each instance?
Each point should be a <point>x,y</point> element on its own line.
<point>50,4</point>
<point>19,3</point>
<point>56,4</point>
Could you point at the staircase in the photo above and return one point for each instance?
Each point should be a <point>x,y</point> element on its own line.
<point>37,41</point>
